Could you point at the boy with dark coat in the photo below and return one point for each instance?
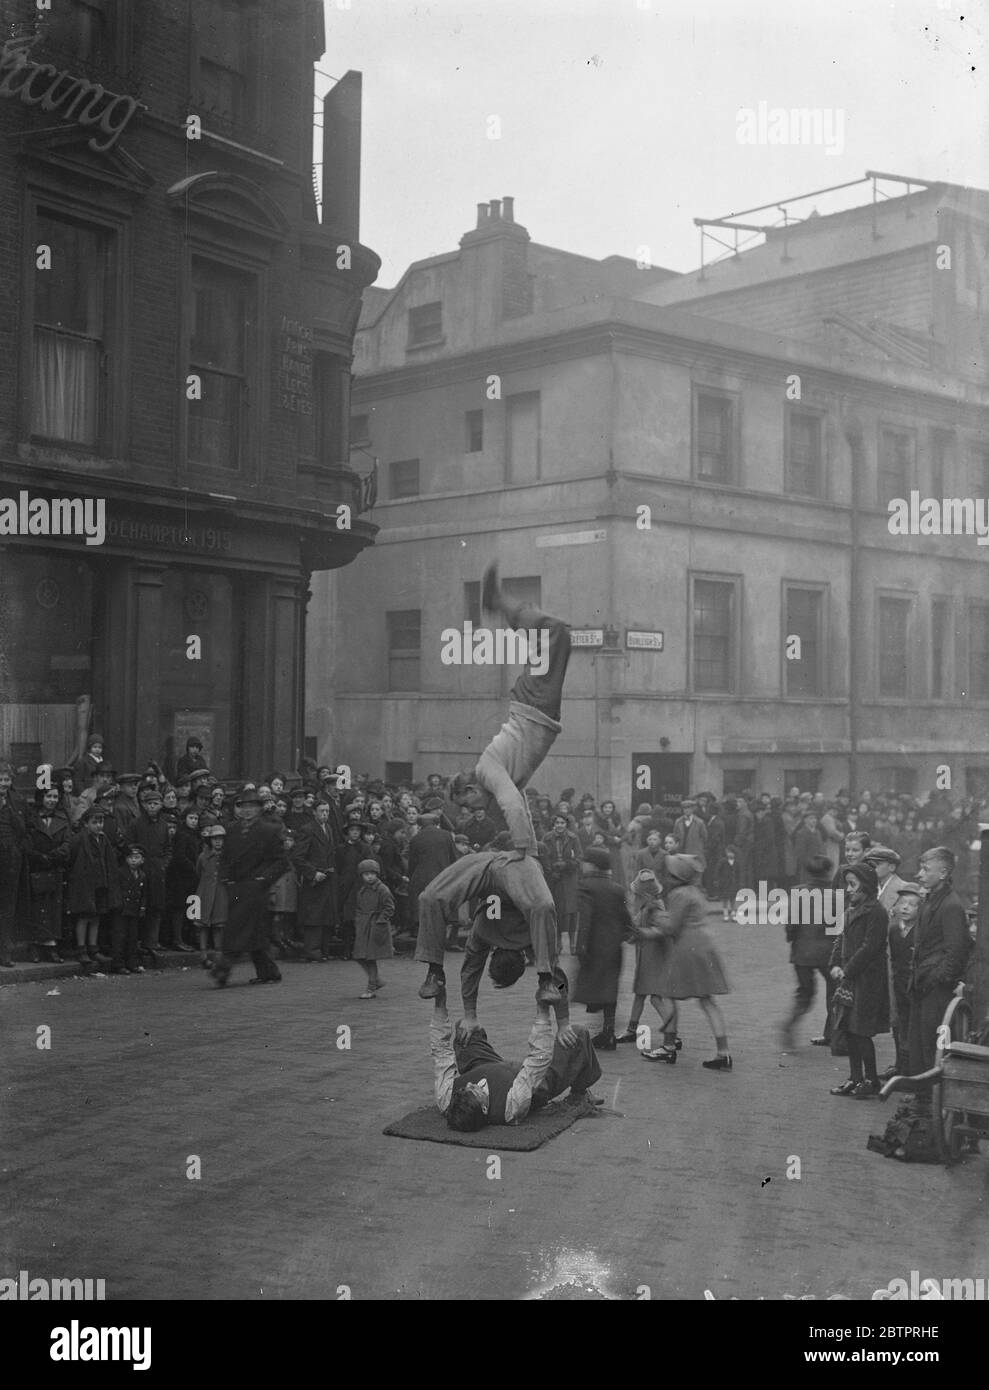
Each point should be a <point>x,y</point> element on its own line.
<point>127,919</point>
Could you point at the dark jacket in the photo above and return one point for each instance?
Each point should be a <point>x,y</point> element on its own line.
<point>181,875</point>
<point>726,878</point>
<point>133,892</point>
<point>92,865</point>
<point>479,833</point>
<point>315,853</point>
<point>809,941</point>
<point>861,953</point>
<point>604,924</point>
<point>348,857</point>
<point>47,852</point>
<point>187,765</point>
<point>941,941</point>
<point>560,858</point>
<point>253,857</point>
<point>152,836</point>
<point>430,852</point>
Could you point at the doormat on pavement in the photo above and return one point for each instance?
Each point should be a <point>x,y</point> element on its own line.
<point>533,1131</point>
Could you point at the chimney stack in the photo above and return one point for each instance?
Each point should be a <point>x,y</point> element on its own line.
<point>495,209</point>
<point>509,209</point>
<point>482,214</point>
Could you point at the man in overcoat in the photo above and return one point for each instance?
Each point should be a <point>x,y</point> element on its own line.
<point>253,857</point>
<point>941,949</point>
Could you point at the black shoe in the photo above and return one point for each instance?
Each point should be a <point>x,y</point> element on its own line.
<point>845,1089</point>
<point>220,976</point>
<point>865,1090</point>
<point>629,1036</point>
<point>604,1041</point>
<point>718,1063</point>
<point>490,591</point>
<point>433,985</point>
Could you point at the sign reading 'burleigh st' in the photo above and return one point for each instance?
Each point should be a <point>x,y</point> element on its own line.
<point>75,98</point>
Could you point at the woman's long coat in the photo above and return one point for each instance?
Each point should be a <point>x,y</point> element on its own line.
<point>47,851</point>
<point>604,925</point>
<point>691,967</point>
<point>861,953</point>
<point>560,858</point>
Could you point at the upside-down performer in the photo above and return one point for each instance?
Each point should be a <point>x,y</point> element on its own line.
<point>497,784</point>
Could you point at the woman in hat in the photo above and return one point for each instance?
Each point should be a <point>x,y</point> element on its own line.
<point>858,965</point>
<point>692,968</point>
<point>374,912</point>
<point>604,923</point>
<point>47,853</point>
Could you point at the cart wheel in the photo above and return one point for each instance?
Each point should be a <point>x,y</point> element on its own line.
<point>945,1124</point>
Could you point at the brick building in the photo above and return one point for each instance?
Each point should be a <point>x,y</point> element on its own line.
<point>176,335</point>
<point>692,469</point>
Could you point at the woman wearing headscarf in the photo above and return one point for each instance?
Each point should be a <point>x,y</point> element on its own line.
<point>646,908</point>
<point>692,968</point>
<point>858,965</point>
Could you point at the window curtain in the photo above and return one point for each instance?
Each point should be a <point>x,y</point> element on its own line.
<point>66,387</point>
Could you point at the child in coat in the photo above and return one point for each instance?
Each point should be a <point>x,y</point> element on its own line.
<point>726,881</point>
<point>372,924</point>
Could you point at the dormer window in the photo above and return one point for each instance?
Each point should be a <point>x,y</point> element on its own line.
<point>426,324</point>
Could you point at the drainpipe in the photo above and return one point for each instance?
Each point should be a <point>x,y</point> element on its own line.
<point>855,435</point>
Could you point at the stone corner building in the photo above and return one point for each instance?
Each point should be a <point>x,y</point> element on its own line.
<point>695,470</point>
<point>176,340</point>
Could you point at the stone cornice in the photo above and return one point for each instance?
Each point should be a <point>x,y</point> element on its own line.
<point>667,344</point>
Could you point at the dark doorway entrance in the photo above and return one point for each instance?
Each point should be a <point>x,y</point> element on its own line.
<point>662,778</point>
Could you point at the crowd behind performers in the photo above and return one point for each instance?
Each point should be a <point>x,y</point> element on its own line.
<point>103,865</point>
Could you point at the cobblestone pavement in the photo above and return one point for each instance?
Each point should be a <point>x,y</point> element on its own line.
<point>301,1195</point>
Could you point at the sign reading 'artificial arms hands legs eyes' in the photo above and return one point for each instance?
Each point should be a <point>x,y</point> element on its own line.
<point>75,98</point>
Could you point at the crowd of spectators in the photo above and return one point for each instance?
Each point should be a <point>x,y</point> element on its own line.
<point>116,867</point>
